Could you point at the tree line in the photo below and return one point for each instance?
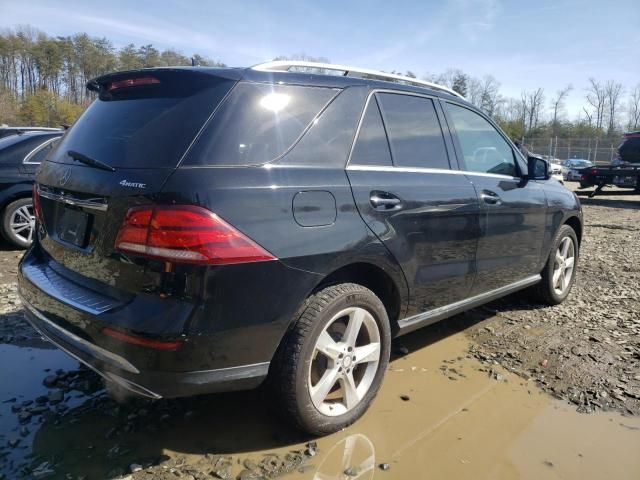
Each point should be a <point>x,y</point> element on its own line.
<point>609,108</point>
<point>43,79</point>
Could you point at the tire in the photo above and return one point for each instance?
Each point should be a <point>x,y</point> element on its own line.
<point>16,212</point>
<point>300,367</point>
<point>546,291</point>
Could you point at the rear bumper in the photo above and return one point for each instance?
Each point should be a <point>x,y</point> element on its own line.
<point>152,384</point>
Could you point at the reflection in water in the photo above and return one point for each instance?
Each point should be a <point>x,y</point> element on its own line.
<point>354,454</point>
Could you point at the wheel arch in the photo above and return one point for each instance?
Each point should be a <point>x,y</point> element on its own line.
<point>575,223</point>
<point>13,194</point>
<point>390,291</point>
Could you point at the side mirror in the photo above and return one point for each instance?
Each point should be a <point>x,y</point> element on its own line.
<point>538,168</point>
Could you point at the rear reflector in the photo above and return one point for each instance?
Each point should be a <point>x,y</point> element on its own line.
<point>186,234</point>
<point>142,341</point>
<point>132,82</point>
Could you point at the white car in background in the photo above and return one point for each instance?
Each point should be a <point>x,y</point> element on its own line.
<point>556,172</point>
<point>571,168</point>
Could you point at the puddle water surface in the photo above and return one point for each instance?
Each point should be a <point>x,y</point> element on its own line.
<point>455,422</point>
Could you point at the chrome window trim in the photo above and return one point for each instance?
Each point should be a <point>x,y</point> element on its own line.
<point>364,111</point>
<point>26,161</point>
<point>378,168</point>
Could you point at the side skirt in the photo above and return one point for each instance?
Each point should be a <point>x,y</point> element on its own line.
<point>427,318</point>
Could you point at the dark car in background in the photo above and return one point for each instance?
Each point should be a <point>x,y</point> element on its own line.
<point>203,229</point>
<point>629,149</point>
<point>624,171</point>
<point>20,156</point>
<point>8,131</point>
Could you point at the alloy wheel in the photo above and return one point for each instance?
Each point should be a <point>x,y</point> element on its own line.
<point>22,223</point>
<point>344,362</point>
<point>563,267</point>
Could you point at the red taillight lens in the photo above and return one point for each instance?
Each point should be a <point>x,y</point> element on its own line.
<point>186,234</point>
<point>594,171</point>
<point>142,341</point>
<point>132,82</point>
<point>37,207</point>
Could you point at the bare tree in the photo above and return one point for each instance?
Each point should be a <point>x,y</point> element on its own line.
<point>613,92</point>
<point>558,104</point>
<point>597,98</point>
<point>489,94</point>
<point>532,104</point>
<point>589,116</point>
<point>634,108</point>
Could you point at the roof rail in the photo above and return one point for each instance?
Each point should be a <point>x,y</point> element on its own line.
<point>286,65</point>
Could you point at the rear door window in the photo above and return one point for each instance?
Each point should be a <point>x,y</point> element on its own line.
<point>414,131</point>
<point>372,147</point>
<point>258,123</point>
<point>149,125</point>
<point>483,148</point>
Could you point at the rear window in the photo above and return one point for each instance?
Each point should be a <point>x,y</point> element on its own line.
<point>258,123</point>
<point>145,125</point>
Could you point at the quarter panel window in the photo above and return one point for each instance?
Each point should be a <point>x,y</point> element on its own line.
<point>39,155</point>
<point>371,147</point>
<point>483,148</point>
<point>257,123</point>
<point>414,131</point>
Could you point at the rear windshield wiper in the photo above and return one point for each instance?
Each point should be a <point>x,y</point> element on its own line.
<point>89,161</point>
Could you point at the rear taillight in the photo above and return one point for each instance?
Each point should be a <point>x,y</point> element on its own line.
<point>37,207</point>
<point>132,82</point>
<point>186,234</point>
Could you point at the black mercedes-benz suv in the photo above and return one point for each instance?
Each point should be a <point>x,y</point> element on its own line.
<point>202,230</point>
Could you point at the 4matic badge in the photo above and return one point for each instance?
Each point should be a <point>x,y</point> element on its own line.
<point>127,183</point>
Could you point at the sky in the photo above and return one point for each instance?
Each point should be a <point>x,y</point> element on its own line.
<point>523,44</point>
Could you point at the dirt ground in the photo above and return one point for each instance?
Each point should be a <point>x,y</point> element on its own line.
<point>586,350</point>
<point>465,398</point>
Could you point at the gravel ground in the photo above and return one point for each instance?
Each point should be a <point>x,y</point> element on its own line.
<point>586,350</point>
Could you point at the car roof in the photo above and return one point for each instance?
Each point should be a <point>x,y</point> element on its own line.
<point>28,129</point>
<point>339,81</point>
<point>24,136</point>
<point>284,78</point>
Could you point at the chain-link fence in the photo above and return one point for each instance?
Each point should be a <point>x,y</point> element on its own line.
<point>598,150</point>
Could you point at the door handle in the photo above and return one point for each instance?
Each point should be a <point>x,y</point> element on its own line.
<point>491,198</point>
<point>384,201</point>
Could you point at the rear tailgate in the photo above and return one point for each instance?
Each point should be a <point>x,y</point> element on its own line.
<point>134,134</point>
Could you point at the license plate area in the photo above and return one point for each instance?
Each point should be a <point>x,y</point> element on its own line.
<point>72,226</point>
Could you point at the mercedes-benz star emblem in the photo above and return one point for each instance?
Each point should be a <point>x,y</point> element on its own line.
<point>64,178</point>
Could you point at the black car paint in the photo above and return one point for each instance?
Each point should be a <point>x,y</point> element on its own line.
<point>17,177</point>
<point>232,318</point>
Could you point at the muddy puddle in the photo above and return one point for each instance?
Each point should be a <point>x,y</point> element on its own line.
<point>439,415</point>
